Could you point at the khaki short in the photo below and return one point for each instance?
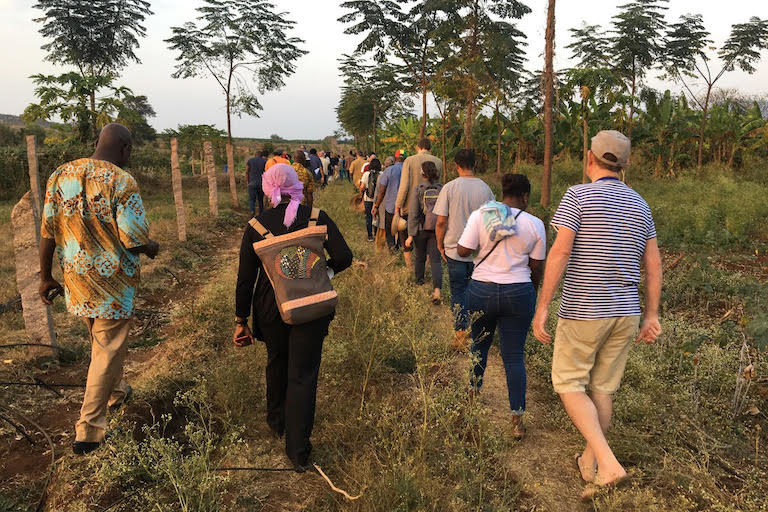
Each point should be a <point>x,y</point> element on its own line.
<point>592,353</point>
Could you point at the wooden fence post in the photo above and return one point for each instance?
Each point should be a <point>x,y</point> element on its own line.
<point>34,179</point>
<point>181,217</point>
<point>231,172</point>
<point>38,321</point>
<point>213,193</point>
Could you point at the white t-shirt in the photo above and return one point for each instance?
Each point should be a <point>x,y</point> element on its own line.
<point>364,181</point>
<point>509,261</point>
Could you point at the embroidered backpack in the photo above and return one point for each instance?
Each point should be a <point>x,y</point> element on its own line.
<point>295,265</point>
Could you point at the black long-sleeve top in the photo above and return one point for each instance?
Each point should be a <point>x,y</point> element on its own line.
<point>251,273</point>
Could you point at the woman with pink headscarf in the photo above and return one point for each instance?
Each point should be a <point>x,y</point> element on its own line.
<point>293,351</point>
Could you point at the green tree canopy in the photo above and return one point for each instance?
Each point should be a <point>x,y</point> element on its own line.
<point>637,44</point>
<point>686,49</point>
<point>475,35</point>
<point>237,43</point>
<point>408,37</point>
<point>98,37</point>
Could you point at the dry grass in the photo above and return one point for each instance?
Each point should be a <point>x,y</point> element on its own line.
<point>394,422</point>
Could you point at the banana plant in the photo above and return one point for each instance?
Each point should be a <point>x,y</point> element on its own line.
<point>751,132</point>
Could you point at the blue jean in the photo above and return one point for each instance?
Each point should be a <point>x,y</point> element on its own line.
<point>255,195</point>
<point>510,308</point>
<point>459,274</point>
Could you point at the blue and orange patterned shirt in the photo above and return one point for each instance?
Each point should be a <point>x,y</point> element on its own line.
<point>94,212</point>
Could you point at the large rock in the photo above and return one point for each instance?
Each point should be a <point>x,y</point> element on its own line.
<point>38,320</point>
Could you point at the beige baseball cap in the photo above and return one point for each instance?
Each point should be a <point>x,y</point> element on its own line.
<point>611,147</point>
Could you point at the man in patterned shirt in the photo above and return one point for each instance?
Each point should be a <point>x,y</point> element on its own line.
<point>94,220</point>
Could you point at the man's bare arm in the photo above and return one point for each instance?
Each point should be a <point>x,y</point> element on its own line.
<point>651,327</point>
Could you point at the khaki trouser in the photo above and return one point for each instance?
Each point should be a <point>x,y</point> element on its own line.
<point>105,385</point>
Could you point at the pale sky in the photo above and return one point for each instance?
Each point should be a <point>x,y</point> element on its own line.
<point>304,108</point>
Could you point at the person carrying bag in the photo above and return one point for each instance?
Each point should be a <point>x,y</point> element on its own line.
<point>422,222</point>
<point>284,281</point>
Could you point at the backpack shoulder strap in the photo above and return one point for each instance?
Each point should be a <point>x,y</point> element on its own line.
<point>313,217</point>
<point>260,229</point>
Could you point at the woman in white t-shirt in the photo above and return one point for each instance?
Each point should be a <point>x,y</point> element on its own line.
<point>511,248</point>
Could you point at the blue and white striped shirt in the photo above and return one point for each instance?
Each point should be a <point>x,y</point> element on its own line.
<point>612,224</point>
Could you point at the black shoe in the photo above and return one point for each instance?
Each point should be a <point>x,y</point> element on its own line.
<point>128,394</point>
<point>370,239</point>
<point>301,467</point>
<point>83,447</point>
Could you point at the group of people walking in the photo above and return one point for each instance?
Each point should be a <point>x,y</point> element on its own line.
<point>495,254</point>
<point>314,168</point>
<point>494,251</point>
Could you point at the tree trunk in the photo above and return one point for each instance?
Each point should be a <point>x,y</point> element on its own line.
<point>703,127</point>
<point>469,110</point>
<point>549,51</point>
<point>659,165</point>
<point>469,117</point>
<point>444,114</point>
<point>231,173</point>
<point>229,121</point>
<point>584,146</point>
<point>498,140</point>
<point>423,128</point>
<point>94,130</point>
<point>631,103</point>
<point>374,127</point>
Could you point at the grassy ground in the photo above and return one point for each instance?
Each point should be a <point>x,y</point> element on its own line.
<point>394,423</point>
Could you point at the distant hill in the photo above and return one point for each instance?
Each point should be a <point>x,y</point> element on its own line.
<point>16,122</point>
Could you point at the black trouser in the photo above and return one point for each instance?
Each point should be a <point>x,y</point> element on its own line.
<point>425,244</point>
<point>369,218</point>
<point>293,364</point>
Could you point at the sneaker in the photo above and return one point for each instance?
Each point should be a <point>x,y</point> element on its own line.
<point>518,429</point>
<point>128,393</point>
<point>83,447</point>
<point>370,239</point>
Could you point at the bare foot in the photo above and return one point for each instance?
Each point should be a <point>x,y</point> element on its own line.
<point>608,479</point>
<point>604,483</point>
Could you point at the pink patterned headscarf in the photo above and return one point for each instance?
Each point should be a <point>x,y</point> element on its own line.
<point>281,180</point>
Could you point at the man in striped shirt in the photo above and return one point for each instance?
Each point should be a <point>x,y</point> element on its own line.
<point>605,232</point>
